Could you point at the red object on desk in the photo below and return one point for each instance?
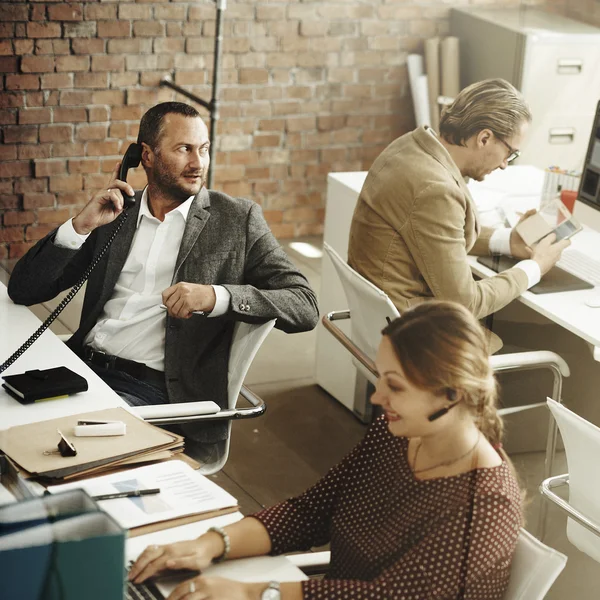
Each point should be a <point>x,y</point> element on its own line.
<point>568,198</point>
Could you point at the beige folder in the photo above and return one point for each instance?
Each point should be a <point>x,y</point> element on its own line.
<point>26,444</point>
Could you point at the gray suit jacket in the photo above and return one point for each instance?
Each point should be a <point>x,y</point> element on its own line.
<point>226,242</point>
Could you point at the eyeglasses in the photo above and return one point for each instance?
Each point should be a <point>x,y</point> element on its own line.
<point>513,153</point>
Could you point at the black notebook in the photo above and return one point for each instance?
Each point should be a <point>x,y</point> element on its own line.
<point>555,280</point>
<point>44,384</point>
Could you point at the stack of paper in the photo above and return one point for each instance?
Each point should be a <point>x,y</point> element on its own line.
<point>185,496</point>
<point>33,447</point>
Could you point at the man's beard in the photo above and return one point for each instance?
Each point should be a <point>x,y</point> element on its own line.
<point>169,183</point>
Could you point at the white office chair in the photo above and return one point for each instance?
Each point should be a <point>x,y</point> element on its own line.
<point>371,309</point>
<point>247,339</point>
<point>582,448</point>
<point>534,568</point>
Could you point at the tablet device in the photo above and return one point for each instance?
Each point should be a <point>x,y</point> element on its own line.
<point>555,280</point>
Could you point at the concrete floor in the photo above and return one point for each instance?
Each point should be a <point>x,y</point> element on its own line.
<point>305,431</point>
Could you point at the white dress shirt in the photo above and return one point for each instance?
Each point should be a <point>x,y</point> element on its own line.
<point>132,324</point>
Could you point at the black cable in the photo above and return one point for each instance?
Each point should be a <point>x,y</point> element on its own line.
<point>27,344</point>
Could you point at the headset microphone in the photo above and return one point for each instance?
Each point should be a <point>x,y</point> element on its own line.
<point>451,394</point>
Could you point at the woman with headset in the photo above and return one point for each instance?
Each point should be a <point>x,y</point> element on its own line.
<point>426,505</point>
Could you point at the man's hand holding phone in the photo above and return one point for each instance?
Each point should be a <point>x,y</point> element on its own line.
<point>546,253</point>
<point>104,207</point>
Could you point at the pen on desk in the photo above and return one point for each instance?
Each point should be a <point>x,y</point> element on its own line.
<point>129,494</point>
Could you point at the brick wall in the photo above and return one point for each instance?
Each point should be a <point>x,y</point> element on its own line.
<point>309,87</point>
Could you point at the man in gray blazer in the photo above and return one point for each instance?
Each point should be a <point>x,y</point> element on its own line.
<point>182,246</point>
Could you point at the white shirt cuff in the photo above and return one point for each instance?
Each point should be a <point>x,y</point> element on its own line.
<point>532,270</point>
<point>222,302</point>
<point>500,241</point>
<point>67,237</point>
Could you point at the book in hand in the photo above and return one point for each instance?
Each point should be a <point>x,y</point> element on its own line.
<point>45,384</point>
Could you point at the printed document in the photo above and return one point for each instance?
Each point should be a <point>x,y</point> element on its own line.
<point>183,492</point>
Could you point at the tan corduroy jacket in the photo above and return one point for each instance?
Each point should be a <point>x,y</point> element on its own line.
<point>413,226</point>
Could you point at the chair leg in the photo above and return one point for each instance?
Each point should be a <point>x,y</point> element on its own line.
<point>550,451</point>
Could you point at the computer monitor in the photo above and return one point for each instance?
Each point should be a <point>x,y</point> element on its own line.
<point>589,188</point>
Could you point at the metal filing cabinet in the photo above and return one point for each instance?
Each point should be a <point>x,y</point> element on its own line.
<point>553,60</point>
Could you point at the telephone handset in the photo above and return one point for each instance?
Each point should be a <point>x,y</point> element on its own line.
<point>131,159</point>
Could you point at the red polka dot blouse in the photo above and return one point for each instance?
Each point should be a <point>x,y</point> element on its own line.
<point>397,537</point>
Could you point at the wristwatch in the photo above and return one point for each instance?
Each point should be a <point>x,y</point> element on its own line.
<point>272,592</point>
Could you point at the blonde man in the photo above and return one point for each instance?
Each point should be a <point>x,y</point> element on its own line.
<point>415,221</point>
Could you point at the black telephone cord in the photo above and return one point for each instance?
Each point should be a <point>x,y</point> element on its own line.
<point>50,319</point>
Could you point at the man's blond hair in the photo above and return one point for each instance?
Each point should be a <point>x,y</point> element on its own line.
<point>492,104</point>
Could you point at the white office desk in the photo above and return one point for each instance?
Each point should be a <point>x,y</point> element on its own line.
<point>517,187</point>
<point>17,323</point>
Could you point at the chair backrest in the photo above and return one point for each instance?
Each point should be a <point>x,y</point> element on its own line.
<point>370,307</point>
<point>534,569</point>
<point>247,339</point>
<point>582,448</point>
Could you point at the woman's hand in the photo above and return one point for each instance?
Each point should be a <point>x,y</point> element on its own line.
<point>216,588</point>
<point>193,554</point>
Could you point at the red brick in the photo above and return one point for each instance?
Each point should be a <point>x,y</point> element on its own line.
<point>3,252</point>
<point>29,151</point>
<point>98,113</point>
<point>113,29</point>
<point>254,76</point>
<point>130,11</point>
<point>38,200</point>
<point>19,249</point>
<point>314,28</point>
<point>28,116</point>
<point>83,29</point>
<point>301,124</point>
<point>38,12</point>
<point>84,166</point>
<point>8,151</point>
<point>148,29</point>
<point>266,140</point>
<point>83,46</point>
<point>53,47</point>
<point>69,115</point>
<point>57,81</point>
<point>43,30</point>
<point>65,12</point>
<point>117,130</point>
<point>37,64</point>
<point>91,80</point>
<point>22,82</point>
<point>20,134</point>
<point>67,149</point>
<point>100,12</point>
<point>7,30</point>
<point>271,125</point>
<point>56,133</point>
<point>11,234</point>
<point>266,187</point>
<point>9,201</point>
<point>75,97</point>
<point>103,148</point>
<point>258,173</point>
<point>37,232</point>
<point>84,133</point>
<point>73,63</point>
<point>110,97</point>
<point>44,168</point>
<point>55,217</point>
<point>13,12</point>
<point>131,46</point>
<point>66,183</point>
<point>23,46</point>
<point>8,64</point>
<point>18,218</point>
<point>282,231</point>
<point>108,63</point>
<point>24,186</point>
<point>8,117</point>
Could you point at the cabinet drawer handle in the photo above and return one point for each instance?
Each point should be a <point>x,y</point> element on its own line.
<point>563,135</point>
<point>569,66</point>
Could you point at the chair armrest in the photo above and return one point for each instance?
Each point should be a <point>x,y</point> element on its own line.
<point>521,361</point>
<point>256,410</point>
<point>311,563</point>
<point>558,481</point>
<point>343,339</point>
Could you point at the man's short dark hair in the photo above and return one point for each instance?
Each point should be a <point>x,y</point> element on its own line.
<point>151,123</point>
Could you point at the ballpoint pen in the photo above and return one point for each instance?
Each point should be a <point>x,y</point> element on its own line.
<point>129,494</point>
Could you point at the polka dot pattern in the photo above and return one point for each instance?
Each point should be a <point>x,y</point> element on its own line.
<point>397,537</point>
